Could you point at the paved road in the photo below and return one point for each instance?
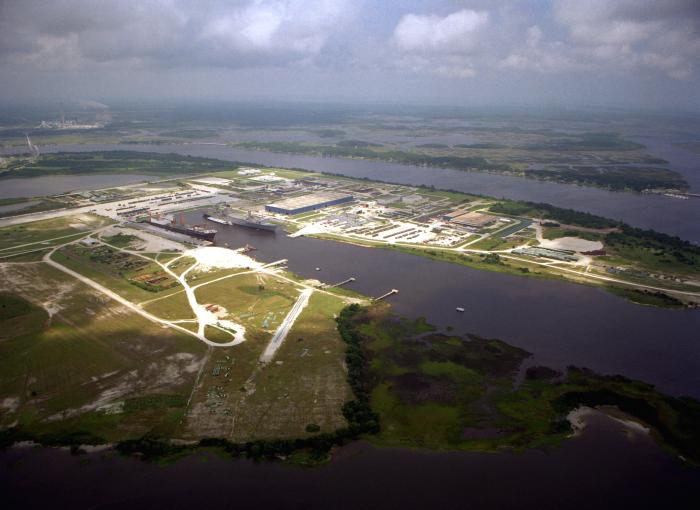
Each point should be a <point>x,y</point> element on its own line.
<point>286,325</point>
<point>114,296</point>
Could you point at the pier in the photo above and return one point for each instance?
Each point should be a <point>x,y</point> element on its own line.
<point>390,293</point>
<point>339,284</point>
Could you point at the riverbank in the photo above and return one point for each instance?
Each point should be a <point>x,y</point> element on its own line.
<point>664,214</point>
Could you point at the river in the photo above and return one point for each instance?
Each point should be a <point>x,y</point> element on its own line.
<point>606,467</point>
<point>665,214</point>
<point>562,323</point>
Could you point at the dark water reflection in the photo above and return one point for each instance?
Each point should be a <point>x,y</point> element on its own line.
<point>603,468</point>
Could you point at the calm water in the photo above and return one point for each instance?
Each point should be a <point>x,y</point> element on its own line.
<point>561,323</point>
<point>603,468</point>
<point>673,216</point>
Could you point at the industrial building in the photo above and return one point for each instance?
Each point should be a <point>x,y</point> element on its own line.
<point>469,219</point>
<point>550,253</point>
<point>305,203</point>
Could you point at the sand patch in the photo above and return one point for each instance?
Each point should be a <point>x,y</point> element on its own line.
<point>9,404</point>
<point>571,243</point>
<point>214,257</point>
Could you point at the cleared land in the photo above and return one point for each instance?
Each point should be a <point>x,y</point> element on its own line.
<point>79,366</point>
<point>73,363</point>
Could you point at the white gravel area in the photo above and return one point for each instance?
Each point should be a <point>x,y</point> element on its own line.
<point>214,257</point>
<point>571,243</point>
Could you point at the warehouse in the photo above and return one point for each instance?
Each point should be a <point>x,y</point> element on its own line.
<point>469,219</point>
<point>305,203</point>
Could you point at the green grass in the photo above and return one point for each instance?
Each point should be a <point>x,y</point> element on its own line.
<point>459,393</point>
<point>649,298</point>
<point>117,271</point>
<point>43,230</point>
<point>495,243</point>
<point>89,348</point>
<point>257,301</point>
<point>41,206</point>
<point>120,240</point>
<point>653,252</point>
<point>557,232</point>
<point>113,162</point>
<point>12,306</point>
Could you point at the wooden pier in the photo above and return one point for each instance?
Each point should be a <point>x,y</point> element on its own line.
<point>390,293</point>
<point>351,279</point>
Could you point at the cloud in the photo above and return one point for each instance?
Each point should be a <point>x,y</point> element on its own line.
<point>633,34</point>
<point>75,34</point>
<point>454,33</point>
<point>537,54</point>
<point>440,45</point>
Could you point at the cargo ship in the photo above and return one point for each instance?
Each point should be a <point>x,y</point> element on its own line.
<point>197,231</point>
<point>249,221</point>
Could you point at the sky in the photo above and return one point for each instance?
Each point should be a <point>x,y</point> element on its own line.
<point>482,52</point>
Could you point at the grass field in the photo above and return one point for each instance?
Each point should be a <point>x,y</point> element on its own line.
<point>241,400</point>
<point>127,275</point>
<point>255,300</point>
<point>40,231</point>
<point>70,358</point>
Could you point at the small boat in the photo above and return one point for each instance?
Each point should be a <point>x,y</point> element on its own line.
<point>318,269</point>
<point>460,309</point>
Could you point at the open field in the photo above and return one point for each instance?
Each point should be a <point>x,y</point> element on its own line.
<point>127,275</point>
<point>239,399</point>
<point>79,366</point>
<point>71,361</point>
<point>29,235</point>
<point>256,300</point>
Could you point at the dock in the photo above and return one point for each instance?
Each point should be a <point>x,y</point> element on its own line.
<point>390,293</point>
<point>339,284</point>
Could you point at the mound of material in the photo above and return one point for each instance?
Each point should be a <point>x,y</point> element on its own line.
<point>571,243</point>
<point>213,257</point>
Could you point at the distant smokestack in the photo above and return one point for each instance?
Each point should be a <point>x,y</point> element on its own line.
<point>63,115</point>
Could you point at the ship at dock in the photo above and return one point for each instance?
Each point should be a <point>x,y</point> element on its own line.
<point>173,225</point>
<point>248,221</point>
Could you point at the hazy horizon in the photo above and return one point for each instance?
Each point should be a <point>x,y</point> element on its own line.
<point>558,53</point>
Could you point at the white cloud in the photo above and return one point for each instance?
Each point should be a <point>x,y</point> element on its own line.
<point>440,45</point>
<point>453,33</point>
<point>633,34</point>
<point>236,33</point>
